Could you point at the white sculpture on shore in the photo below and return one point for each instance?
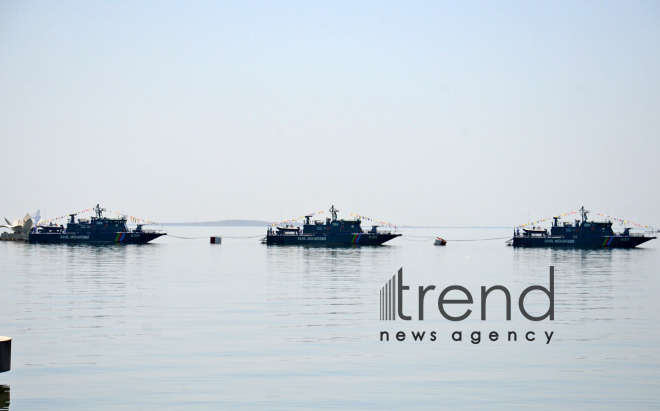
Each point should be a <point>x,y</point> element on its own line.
<point>20,226</point>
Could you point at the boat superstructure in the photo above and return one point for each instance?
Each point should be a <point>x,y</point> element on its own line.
<point>331,231</point>
<point>98,229</point>
<point>579,234</point>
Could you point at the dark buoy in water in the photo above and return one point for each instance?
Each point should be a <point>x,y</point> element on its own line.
<point>5,354</point>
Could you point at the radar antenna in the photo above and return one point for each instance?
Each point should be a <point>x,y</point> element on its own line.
<point>584,214</point>
<point>334,211</point>
<point>98,210</point>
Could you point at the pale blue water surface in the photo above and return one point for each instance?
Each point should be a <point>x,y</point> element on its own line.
<point>183,324</point>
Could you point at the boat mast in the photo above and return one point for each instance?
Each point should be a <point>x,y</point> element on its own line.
<point>98,210</point>
<point>334,211</point>
<point>584,214</point>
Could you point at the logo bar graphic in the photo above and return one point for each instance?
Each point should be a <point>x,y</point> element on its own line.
<point>388,300</point>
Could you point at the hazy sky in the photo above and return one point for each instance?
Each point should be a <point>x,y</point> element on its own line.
<point>420,113</point>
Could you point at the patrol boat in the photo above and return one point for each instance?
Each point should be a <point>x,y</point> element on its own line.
<point>331,232</point>
<point>581,234</point>
<point>97,230</point>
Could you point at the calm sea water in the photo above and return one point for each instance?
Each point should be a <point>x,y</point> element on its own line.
<point>183,324</point>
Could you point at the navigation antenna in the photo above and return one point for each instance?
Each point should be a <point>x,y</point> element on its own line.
<point>334,211</point>
<point>98,210</point>
<point>584,214</point>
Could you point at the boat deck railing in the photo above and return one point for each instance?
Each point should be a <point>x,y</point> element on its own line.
<point>641,235</point>
<point>636,235</point>
<point>147,231</point>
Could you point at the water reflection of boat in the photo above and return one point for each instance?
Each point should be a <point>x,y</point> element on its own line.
<point>4,397</point>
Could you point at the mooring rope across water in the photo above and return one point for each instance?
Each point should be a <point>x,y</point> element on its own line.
<point>433,238</point>
<point>484,239</point>
<point>197,238</point>
<point>405,237</point>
